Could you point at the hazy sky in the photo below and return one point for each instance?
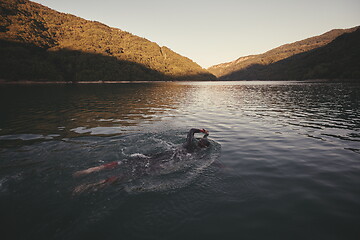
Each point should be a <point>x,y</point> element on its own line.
<point>212,32</point>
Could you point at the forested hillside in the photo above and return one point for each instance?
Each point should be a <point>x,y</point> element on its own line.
<point>334,54</point>
<point>40,44</point>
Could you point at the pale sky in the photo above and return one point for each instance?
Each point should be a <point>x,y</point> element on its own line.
<point>212,32</point>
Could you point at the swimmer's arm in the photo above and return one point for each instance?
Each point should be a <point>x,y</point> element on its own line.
<point>96,169</point>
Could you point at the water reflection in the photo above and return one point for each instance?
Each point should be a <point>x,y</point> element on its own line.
<point>95,109</point>
<point>319,110</point>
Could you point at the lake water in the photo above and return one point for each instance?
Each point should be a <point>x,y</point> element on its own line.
<point>284,161</point>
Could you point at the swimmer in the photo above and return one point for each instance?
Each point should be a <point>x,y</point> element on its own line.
<point>189,146</point>
<point>192,143</point>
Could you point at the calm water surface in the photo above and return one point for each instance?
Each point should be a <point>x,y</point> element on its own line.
<point>284,161</point>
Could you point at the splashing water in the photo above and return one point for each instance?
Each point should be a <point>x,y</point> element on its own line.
<point>152,162</point>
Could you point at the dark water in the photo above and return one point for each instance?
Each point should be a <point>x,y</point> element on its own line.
<point>284,161</point>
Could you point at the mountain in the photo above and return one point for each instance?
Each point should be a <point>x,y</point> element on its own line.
<point>41,44</point>
<point>335,54</point>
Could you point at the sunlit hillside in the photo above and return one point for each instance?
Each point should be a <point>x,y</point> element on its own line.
<point>334,54</point>
<point>38,43</point>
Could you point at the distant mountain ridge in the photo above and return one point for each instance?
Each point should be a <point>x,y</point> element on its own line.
<point>41,44</point>
<point>334,54</point>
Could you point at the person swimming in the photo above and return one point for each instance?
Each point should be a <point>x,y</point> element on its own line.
<point>191,145</point>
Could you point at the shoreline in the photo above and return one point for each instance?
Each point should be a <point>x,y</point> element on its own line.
<point>26,82</point>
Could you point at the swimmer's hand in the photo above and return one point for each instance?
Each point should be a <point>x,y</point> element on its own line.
<point>204,131</point>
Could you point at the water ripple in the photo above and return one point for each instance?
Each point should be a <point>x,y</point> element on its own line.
<point>289,158</point>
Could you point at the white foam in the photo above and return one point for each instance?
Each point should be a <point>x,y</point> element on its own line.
<point>27,137</point>
<point>140,155</point>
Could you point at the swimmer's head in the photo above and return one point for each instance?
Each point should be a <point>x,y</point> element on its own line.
<point>204,131</point>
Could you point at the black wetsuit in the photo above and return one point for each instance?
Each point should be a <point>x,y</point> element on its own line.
<point>191,144</point>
